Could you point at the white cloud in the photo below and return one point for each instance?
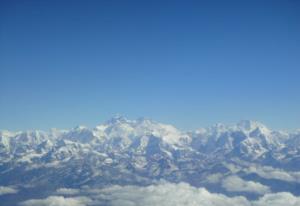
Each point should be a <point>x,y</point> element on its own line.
<point>272,173</point>
<point>58,201</point>
<point>214,178</point>
<point>167,194</point>
<point>67,191</point>
<point>162,194</point>
<point>237,184</point>
<point>266,172</point>
<point>7,190</point>
<point>278,199</point>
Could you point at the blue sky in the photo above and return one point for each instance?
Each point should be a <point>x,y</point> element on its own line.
<point>188,63</point>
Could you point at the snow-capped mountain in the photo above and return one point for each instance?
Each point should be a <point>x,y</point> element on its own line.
<point>122,151</point>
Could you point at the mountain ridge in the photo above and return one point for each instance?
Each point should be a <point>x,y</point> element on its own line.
<point>142,151</point>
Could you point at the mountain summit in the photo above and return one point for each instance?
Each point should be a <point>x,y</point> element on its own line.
<point>143,151</point>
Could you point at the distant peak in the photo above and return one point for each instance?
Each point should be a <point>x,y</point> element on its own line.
<point>144,119</point>
<point>219,126</point>
<point>117,119</point>
<point>80,127</point>
<point>250,125</point>
<point>6,133</point>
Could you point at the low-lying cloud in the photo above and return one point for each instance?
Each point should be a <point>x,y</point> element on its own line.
<point>278,199</point>
<point>67,191</point>
<point>274,173</point>
<point>237,184</point>
<point>7,190</point>
<point>58,201</point>
<point>163,194</point>
<point>168,195</point>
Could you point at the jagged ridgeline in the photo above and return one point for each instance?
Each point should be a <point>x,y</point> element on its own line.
<point>142,152</point>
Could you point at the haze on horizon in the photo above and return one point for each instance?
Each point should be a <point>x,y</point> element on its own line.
<point>188,63</point>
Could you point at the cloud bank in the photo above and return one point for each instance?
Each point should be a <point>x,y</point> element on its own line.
<point>165,194</point>
<point>67,191</point>
<point>7,190</point>
<point>237,184</point>
<point>58,201</point>
<point>268,172</point>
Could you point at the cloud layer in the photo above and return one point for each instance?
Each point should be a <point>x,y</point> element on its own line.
<point>163,194</point>
<point>58,201</point>
<point>274,173</point>
<point>237,184</point>
<point>7,190</point>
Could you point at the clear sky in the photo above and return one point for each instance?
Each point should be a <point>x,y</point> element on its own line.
<point>187,63</point>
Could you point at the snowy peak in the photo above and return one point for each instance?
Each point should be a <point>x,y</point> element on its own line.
<point>120,127</point>
<point>117,119</point>
<point>123,132</point>
<point>145,147</point>
<point>80,133</point>
<point>249,125</point>
<point>250,139</point>
<point>143,151</point>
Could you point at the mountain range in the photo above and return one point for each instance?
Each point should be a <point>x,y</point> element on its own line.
<point>246,158</point>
